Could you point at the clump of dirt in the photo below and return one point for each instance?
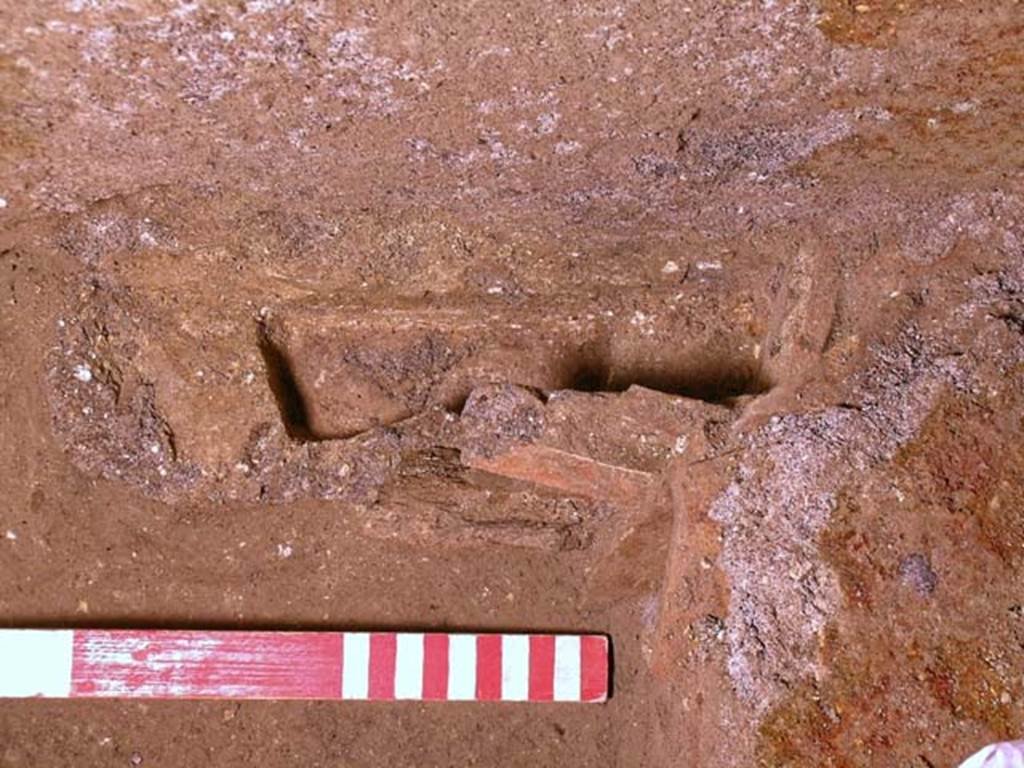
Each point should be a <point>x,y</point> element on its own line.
<point>499,417</point>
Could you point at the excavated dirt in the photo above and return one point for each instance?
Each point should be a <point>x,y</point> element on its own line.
<point>700,324</point>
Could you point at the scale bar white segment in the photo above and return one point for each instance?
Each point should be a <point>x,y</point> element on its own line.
<point>567,668</point>
<point>35,663</point>
<point>462,667</point>
<point>355,666</point>
<point>515,667</point>
<point>409,666</point>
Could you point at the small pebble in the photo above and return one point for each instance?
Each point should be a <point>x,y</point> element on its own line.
<point>83,373</point>
<point>136,758</point>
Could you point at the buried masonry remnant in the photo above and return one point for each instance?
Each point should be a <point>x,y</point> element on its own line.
<point>340,371</point>
<point>323,398</point>
<point>367,402</point>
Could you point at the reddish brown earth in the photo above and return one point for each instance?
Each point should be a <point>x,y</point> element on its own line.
<point>700,324</point>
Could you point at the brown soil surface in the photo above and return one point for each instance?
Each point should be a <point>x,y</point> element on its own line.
<point>696,323</point>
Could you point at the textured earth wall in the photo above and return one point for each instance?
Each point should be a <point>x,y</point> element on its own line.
<point>700,324</point>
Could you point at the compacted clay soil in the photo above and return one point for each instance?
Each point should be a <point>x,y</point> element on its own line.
<point>700,324</point>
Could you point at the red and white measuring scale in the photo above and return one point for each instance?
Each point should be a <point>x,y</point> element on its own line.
<point>358,666</point>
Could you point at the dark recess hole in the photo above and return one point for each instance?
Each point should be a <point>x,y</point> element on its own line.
<point>712,380</point>
<point>718,381</point>
<point>283,384</point>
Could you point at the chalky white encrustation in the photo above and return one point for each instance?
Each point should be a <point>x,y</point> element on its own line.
<point>383,666</point>
<point>1007,754</point>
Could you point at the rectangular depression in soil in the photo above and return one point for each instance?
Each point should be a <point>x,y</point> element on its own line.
<point>359,666</point>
